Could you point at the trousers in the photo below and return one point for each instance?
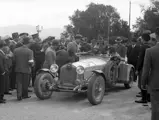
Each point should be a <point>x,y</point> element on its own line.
<point>22,80</point>
<point>155,105</point>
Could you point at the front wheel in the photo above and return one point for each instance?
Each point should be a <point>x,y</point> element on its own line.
<point>40,85</point>
<point>131,79</point>
<point>96,89</point>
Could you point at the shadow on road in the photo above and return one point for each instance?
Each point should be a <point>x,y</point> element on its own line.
<point>115,89</point>
<point>68,100</point>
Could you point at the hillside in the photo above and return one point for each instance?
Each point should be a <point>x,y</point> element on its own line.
<point>31,30</point>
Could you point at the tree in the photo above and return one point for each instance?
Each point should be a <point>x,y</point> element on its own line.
<point>64,34</point>
<point>150,18</point>
<point>120,28</point>
<point>94,21</point>
<point>155,3</point>
<point>68,32</point>
<point>140,25</point>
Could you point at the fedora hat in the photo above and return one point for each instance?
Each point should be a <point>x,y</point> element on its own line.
<point>78,36</point>
<point>118,40</point>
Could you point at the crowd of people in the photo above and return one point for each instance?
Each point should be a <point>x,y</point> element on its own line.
<point>23,55</point>
<point>144,57</point>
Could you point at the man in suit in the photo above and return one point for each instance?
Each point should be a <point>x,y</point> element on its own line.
<point>35,47</point>
<point>8,64</point>
<point>133,54</point>
<point>50,54</point>
<point>139,68</point>
<point>23,57</point>
<point>2,72</point>
<point>150,76</point>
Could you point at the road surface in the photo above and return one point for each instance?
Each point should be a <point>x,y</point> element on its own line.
<point>118,104</point>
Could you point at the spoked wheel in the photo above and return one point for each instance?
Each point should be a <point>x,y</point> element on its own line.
<point>131,79</point>
<point>40,86</point>
<point>96,89</point>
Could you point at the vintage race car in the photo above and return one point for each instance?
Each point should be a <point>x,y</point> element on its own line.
<point>91,75</point>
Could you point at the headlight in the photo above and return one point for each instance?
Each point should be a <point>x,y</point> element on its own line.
<point>80,70</point>
<point>54,68</point>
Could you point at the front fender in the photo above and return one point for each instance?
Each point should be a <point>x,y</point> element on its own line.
<point>47,71</point>
<point>100,72</point>
<point>131,67</point>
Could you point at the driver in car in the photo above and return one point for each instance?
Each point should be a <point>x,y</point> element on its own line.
<point>121,49</point>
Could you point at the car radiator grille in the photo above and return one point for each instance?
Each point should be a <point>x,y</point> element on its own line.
<point>68,75</point>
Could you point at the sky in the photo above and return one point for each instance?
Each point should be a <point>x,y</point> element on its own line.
<point>55,13</point>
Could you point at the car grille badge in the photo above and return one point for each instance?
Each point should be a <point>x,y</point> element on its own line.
<point>69,66</point>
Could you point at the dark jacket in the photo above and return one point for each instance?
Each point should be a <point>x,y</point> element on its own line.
<point>2,62</point>
<point>62,57</point>
<point>2,70</point>
<point>150,73</point>
<point>133,54</point>
<point>39,58</point>
<point>140,61</point>
<point>22,55</point>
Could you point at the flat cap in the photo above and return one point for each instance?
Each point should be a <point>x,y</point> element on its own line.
<point>21,34</point>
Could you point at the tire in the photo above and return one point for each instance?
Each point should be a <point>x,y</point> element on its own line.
<point>95,100</point>
<point>131,79</point>
<point>39,86</point>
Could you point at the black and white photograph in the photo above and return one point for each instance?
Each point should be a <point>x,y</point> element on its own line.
<point>79,60</point>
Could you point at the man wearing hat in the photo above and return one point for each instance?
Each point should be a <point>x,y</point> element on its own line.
<point>120,48</point>
<point>35,46</point>
<point>23,57</point>
<point>133,54</point>
<point>139,68</point>
<point>22,35</point>
<point>8,64</point>
<point>50,54</point>
<point>150,76</point>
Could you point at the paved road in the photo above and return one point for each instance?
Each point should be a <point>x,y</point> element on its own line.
<point>118,104</point>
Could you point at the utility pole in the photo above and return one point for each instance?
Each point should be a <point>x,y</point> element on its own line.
<point>129,20</point>
<point>108,28</point>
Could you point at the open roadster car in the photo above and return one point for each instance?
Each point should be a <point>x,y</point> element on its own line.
<point>91,75</point>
